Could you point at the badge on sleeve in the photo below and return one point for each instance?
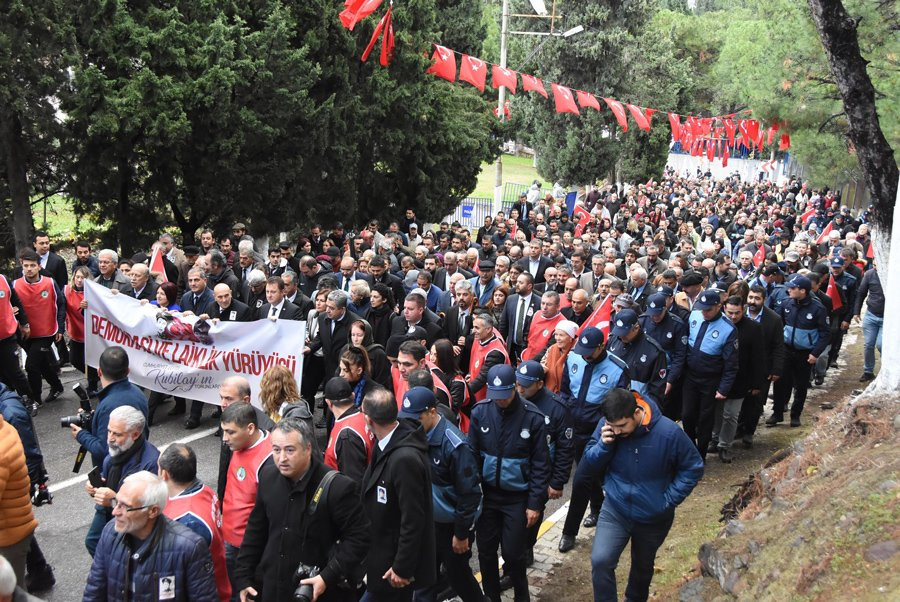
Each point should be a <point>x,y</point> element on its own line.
<point>167,588</point>
<point>525,434</point>
<point>381,495</point>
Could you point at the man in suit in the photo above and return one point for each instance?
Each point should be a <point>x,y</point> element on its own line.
<point>276,265</point>
<point>333,330</point>
<point>432,293</point>
<point>397,499</point>
<point>277,307</point>
<point>535,264</point>
<point>142,287</point>
<point>448,297</point>
<point>458,321</point>
<point>253,291</point>
<point>378,270</point>
<point>516,318</point>
<point>652,263</point>
<point>295,295</point>
<point>226,308</point>
<point>348,275</point>
<point>416,314</point>
<point>245,265</point>
<point>589,281</point>
<point>525,208</point>
<point>198,299</point>
<point>50,262</point>
<point>640,289</point>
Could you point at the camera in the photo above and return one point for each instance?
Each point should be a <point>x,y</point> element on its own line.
<point>82,420</point>
<point>304,592</point>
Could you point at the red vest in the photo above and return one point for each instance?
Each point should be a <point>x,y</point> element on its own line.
<point>400,386</point>
<point>74,314</point>
<point>39,300</point>
<point>440,386</point>
<point>539,333</point>
<point>203,506</point>
<point>356,422</point>
<point>241,488</point>
<point>8,323</point>
<point>476,358</point>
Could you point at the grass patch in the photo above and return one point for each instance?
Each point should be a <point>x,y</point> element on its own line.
<point>63,224</point>
<point>518,170</point>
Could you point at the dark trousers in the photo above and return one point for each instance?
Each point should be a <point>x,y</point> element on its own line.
<point>313,375</point>
<point>35,561</point>
<point>102,515</point>
<point>157,398</point>
<point>63,351</point>
<point>584,490</point>
<point>613,533</point>
<point>698,409</point>
<point>404,594</point>
<point>231,556</point>
<point>76,356</point>
<point>836,339</point>
<point>751,412</point>
<point>672,402</point>
<point>41,363</point>
<point>11,372</point>
<point>795,379</point>
<point>502,523</point>
<point>459,573</point>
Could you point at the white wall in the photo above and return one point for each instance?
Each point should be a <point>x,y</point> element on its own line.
<point>748,169</point>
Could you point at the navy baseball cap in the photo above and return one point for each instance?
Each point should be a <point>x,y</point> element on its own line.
<point>837,261</point>
<point>337,388</point>
<point>656,304</point>
<point>799,281</point>
<point>529,372</point>
<point>501,381</point>
<point>625,320</point>
<point>708,300</point>
<point>416,401</point>
<point>666,291</point>
<point>591,338</point>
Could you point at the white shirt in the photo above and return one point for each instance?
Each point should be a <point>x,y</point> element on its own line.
<point>383,443</point>
<point>275,310</point>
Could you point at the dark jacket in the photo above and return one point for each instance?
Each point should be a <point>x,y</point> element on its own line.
<point>56,267</point>
<point>870,286</point>
<point>543,264</point>
<point>455,479</point>
<point>507,326</point>
<point>330,342</point>
<point>560,435</point>
<point>236,312</point>
<point>145,459</point>
<point>119,393</point>
<point>396,496</point>
<point>203,305</point>
<point>281,533</point>
<point>226,277</point>
<point>14,412</point>
<point>712,349</point>
<point>671,334</point>
<point>752,362</point>
<point>289,311</point>
<point>452,332</point>
<point>805,325</point>
<point>171,550</point>
<point>646,361</point>
<point>148,292</point>
<point>773,341</point>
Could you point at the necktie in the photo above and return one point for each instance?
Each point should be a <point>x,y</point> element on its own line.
<point>462,322</point>
<point>520,321</point>
<point>332,326</point>
<point>274,311</point>
<point>196,299</point>
<point>701,334</point>
<point>346,284</point>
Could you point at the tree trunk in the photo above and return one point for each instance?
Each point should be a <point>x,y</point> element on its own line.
<point>17,179</point>
<point>837,31</point>
<point>124,232</point>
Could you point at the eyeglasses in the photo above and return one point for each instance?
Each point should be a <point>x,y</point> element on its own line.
<point>125,507</point>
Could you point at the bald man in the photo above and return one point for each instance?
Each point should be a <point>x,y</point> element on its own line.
<point>226,308</point>
<point>142,286</point>
<point>581,309</point>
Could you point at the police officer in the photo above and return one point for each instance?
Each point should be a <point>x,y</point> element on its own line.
<point>530,385</point>
<point>846,285</point>
<point>660,324</point>
<point>591,373</point>
<point>712,365</point>
<point>508,436</point>
<point>455,493</point>
<point>805,338</point>
<point>674,308</point>
<point>645,357</point>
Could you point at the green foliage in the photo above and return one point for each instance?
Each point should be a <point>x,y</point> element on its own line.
<point>460,25</point>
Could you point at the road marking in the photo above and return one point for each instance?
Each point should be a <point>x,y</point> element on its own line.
<point>83,477</point>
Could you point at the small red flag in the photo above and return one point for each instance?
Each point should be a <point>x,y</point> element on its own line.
<point>532,84</point>
<point>729,131</point>
<point>473,70</point>
<point>587,100</point>
<point>772,131</point>
<point>619,111</point>
<point>725,157</point>
<point>870,251</point>
<point>639,117</point>
<point>648,113</point>
<point>582,218</point>
<point>156,264</point>
<point>599,318</point>
<point>752,130</point>
<point>824,235</point>
<point>808,214</point>
<point>444,65</point>
<point>785,142</point>
<point>503,77</point>
<point>710,150</point>
<point>356,11</point>
<point>565,102</point>
<point>387,42</point>
<point>675,122</point>
<point>833,292</point>
<point>759,256</point>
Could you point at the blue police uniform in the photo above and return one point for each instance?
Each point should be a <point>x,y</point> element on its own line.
<point>646,362</point>
<point>712,365</point>
<point>560,435</point>
<point>510,445</point>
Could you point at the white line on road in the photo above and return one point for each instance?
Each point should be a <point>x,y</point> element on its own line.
<point>83,477</point>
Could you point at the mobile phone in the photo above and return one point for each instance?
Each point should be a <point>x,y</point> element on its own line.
<point>94,478</point>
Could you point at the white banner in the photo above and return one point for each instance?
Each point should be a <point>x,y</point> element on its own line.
<point>176,354</point>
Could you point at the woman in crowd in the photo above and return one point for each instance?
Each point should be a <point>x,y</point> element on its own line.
<point>166,300</point>
<point>381,313</point>
<point>452,380</point>
<point>355,368</point>
<point>75,306</point>
<point>498,300</point>
<point>554,361</point>
<point>314,363</point>
<point>279,395</point>
<point>379,365</point>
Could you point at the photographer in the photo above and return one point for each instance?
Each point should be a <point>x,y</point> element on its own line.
<point>129,452</point>
<point>116,392</point>
<point>284,531</point>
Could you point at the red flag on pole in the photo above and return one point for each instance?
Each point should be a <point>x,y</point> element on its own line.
<point>586,100</point>
<point>729,131</point>
<point>870,251</point>
<point>785,142</point>
<point>356,11</point>
<point>759,256</point>
<point>473,70</point>
<point>619,111</point>
<point>444,65</point>
<point>531,83</point>
<point>639,117</point>
<point>599,318</point>
<point>503,77</point>
<point>156,264</point>
<point>824,235</point>
<point>648,114</point>
<point>582,218</point>
<point>725,157</point>
<point>565,102</point>
<point>834,293</point>
<point>772,131</point>
<point>808,214</point>
<point>675,122</point>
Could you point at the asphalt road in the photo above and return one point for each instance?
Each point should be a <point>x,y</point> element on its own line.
<point>64,524</point>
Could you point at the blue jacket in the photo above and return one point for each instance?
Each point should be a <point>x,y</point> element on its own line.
<point>146,460</point>
<point>511,448</point>
<point>483,292</point>
<point>649,472</point>
<point>171,551</point>
<point>805,325</point>
<point>713,349</point>
<point>671,334</point>
<point>847,285</point>
<point>560,435</point>
<point>646,362</point>
<point>119,393</point>
<point>14,412</point>
<point>455,479</point>
<point>585,386</point>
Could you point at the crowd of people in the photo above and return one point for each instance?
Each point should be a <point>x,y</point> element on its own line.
<point>462,375</point>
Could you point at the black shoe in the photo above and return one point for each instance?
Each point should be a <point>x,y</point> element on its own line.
<point>795,422</point>
<point>774,419</point>
<point>505,583</point>
<point>54,395</point>
<point>566,543</point>
<point>590,521</point>
<point>218,432</point>
<point>713,447</point>
<point>41,581</point>
<point>866,377</point>
<point>748,444</point>
<point>191,423</point>
<point>32,407</point>
<point>725,455</point>
<point>820,378</point>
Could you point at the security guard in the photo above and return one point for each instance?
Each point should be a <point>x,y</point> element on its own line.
<point>670,331</point>
<point>712,365</point>
<point>509,438</point>
<point>846,285</point>
<point>645,357</point>
<point>676,310</point>
<point>455,491</point>
<point>805,338</point>
<point>591,373</point>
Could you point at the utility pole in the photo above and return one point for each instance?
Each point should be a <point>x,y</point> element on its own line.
<point>501,115</point>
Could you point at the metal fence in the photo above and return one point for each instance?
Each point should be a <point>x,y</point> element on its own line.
<point>472,210</point>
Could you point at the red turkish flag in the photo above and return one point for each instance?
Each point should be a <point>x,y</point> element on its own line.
<point>808,214</point>
<point>833,292</point>
<point>870,251</point>
<point>587,100</point>
<point>785,142</point>
<point>532,84</point>
<point>599,318</point>
<point>648,113</point>
<point>639,117</point>
<point>473,70</point>
<point>729,131</point>
<point>771,136</point>
<point>725,157</point>
<point>503,77</point>
<point>824,235</point>
<point>675,122</point>
<point>582,218</point>
<point>760,138</point>
<point>619,111</point>
<point>710,150</point>
<point>744,129</point>
<point>759,256</point>
<point>356,11</point>
<point>444,65</point>
<point>752,129</point>
<point>156,264</point>
<point>565,102</point>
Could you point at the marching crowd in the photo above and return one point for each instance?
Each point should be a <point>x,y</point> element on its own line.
<point>463,375</point>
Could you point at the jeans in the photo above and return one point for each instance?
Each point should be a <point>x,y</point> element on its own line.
<point>231,556</point>
<point>726,420</point>
<point>613,533</point>
<point>102,515</point>
<point>872,329</point>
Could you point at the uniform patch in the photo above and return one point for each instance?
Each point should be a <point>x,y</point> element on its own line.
<point>662,373</point>
<point>498,382</point>
<point>644,359</point>
<point>477,363</point>
<point>715,334</point>
<point>574,368</point>
<point>546,420</point>
<point>485,429</point>
<point>809,316</point>
<point>603,379</point>
<point>569,432</point>
<point>241,474</point>
<point>44,294</point>
<point>406,403</point>
<point>437,461</point>
<point>232,316</point>
<point>2,294</point>
<point>545,333</point>
<point>381,495</point>
<point>523,369</point>
<point>525,434</point>
<point>684,340</point>
<point>669,335</point>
